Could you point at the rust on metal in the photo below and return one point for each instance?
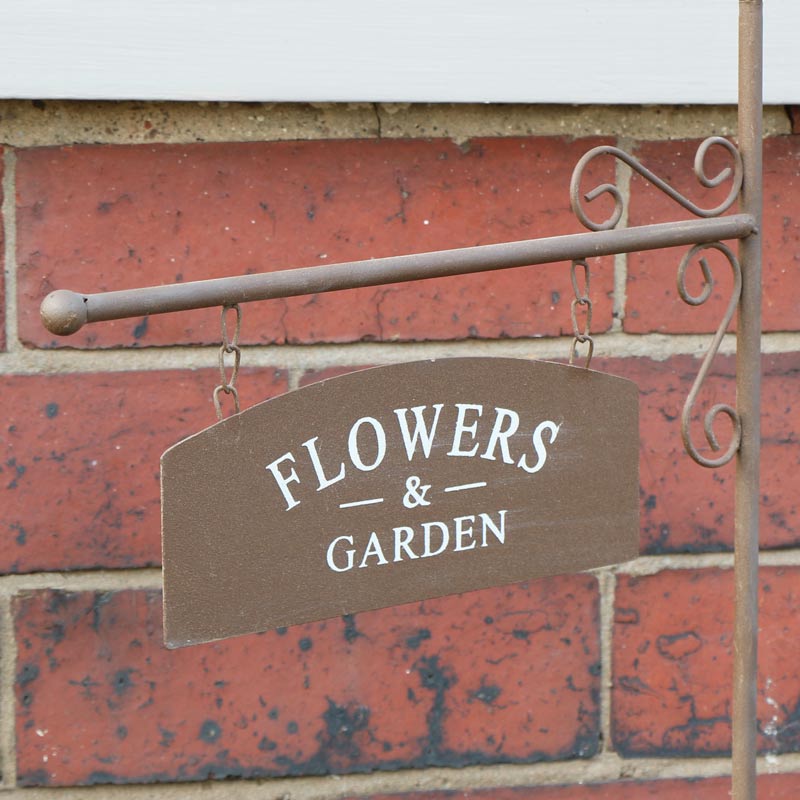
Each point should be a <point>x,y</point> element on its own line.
<point>748,401</point>
<point>582,298</point>
<point>229,346</point>
<point>720,408</point>
<point>397,484</point>
<point>735,175</point>
<point>65,312</point>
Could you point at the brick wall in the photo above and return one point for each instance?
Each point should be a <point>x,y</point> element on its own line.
<point>613,684</point>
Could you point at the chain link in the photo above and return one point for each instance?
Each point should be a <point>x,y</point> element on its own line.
<point>581,299</point>
<point>228,386</point>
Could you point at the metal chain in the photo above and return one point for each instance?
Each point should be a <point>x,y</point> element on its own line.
<point>581,299</point>
<point>229,346</point>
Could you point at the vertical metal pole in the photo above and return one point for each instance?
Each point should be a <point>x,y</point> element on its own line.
<point>748,390</point>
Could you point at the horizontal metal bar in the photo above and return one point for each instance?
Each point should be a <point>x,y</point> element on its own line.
<point>65,312</point>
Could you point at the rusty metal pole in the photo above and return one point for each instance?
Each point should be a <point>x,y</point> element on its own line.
<point>64,312</point>
<point>748,388</point>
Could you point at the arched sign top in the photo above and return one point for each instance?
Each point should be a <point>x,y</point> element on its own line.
<point>396,484</point>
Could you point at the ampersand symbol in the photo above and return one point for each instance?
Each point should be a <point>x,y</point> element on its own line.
<point>415,496</point>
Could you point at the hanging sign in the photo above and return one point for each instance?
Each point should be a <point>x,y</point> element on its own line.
<point>397,484</point>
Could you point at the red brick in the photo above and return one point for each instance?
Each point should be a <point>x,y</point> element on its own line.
<point>652,300</point>
<point>501,675</point>
<point>672,665</point>
<point>100,218</point>
<point>770,787</point>
<point>80,467</point>
<point>2,261</point>
<point>685,507</point>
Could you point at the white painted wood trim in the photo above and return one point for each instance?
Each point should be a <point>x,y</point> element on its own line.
<point>529,51</point>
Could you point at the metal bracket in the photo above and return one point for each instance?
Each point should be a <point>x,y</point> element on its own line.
<point>64,312</point>
<point>735,174</point>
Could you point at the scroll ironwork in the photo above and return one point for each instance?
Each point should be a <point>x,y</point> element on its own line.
<point>720,408</point>
<point>734,173</point>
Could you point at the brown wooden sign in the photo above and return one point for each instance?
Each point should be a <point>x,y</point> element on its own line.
<point>397,484</point>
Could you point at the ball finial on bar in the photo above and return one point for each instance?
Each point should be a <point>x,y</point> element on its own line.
<point>64,312</point>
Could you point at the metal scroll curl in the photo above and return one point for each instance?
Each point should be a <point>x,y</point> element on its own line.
<point>720,408</point>
<point>733,173</point>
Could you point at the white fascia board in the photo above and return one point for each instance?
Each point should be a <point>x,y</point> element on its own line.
<point>514,51</point>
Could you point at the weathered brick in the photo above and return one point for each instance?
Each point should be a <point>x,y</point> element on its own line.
<point>652,300</point>
<point>672,664</point>
<point>90,518</point>
<point>79,469</point>
<point>770,787</point>
<point>2,260</point>
<point>501,675</point>
<point>100,218</point>
<point>684,507</point>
